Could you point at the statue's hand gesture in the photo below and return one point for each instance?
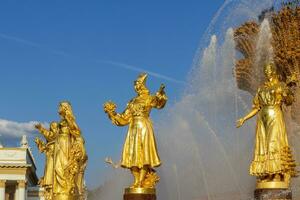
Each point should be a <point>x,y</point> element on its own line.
<point>240,122</point>
<point>38,126</point>
<point>162,89</point>
<point>109,107</point>
<point>69,117</point>
<point>37,140</point>
<point>39,144</point>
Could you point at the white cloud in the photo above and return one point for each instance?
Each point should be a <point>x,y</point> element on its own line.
<point>17,129</point>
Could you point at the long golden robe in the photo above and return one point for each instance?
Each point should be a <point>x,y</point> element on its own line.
<point>140,146</point>
<point>48,176</point>
<point>61,160</point>
<point>272,154</point>
<point>49,151</point>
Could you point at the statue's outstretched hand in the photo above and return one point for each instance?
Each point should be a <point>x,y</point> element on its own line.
<point>38,126</point>
<point>240,122</point>
<point>109,107</point>
<point>40,144</point>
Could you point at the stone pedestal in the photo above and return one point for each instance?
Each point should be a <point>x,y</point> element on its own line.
<point>139,197</point>
<point>139,194</point>
<point>273,194</point>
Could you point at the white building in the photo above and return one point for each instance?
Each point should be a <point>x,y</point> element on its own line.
<point>18,179</point>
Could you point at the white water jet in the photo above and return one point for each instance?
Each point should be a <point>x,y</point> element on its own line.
<point>264,49</point>
<point>201,130</point>
<point>263,52</point>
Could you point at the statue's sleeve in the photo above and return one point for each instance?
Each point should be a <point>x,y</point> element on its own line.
<point>48,134</point>
<point>159,100</point>
<point>121,119</point>
<point>256,104</point>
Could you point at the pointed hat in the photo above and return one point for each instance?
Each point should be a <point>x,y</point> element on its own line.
<point>142,78</point>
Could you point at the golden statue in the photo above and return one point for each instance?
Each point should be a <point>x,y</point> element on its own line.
<point>139,151</point>
<point>273,164</point>
<point>48,149</point>
<point>65,166</point>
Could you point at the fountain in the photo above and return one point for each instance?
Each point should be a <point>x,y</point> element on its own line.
<point>204,156</point>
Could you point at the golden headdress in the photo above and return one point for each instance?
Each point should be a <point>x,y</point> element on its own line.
<point>142,78</point>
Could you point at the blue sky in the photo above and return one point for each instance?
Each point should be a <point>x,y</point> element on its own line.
<point>87,53</point>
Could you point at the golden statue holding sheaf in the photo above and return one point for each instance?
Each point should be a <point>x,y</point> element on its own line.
<point>66,157</point>
<point>273,163</point>
<point>277,95</point>
<point>139,152</point>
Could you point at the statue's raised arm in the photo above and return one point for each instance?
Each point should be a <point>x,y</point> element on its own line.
<point>48,134</point>
<point>160,98</point>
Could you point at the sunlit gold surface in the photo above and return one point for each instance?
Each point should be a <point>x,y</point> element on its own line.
<point>48,149</point>
<point>140,191</point>
<point>66,157</point>
<point>273,160</point>
<point>140,152</point>
<point>272,185</point>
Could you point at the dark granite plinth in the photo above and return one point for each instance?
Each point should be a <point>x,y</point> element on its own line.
<point>139,197</point>
<point>273,194</point>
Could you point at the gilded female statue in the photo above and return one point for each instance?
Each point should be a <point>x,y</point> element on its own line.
<point>64,185</point>
<point>65,168</point>
<point>273,164</point>
<point>139,152</point>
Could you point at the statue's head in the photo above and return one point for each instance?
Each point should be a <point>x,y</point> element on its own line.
<point>270,70</point>
<point>54,126</point>
<point>140,84</point>
<point>65,109</point>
